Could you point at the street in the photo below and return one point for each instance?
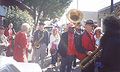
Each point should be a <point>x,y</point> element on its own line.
<point>47,67</point>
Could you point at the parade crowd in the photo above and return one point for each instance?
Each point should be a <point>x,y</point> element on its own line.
<point>74,43</point>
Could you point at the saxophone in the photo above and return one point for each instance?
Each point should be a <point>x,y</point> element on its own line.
<point>90,59</point>
<point>36,44</point>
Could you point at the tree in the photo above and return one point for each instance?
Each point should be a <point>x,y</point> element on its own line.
<point>47,9</point>
<point>17,17</point>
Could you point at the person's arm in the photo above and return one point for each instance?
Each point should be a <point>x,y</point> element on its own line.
<point>23,44</point>
<point>14,33</point>
<point>52,38</point>
<point>58,40</point>
<point>6,41</point>
<point>34,37</point>
<point>51,41</point>
<point>2,44</point>
<point>84,43</point>
<point>6,33</point>
<point>63,44</point>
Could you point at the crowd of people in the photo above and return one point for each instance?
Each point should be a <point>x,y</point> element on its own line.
<point>74,43</point>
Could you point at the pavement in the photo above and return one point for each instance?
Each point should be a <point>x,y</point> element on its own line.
<point>47,66</point>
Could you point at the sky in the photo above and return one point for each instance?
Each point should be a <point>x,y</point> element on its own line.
<point>86,5</point>
<point>90,5</point>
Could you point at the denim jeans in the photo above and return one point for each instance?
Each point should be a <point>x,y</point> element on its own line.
<point>66,64</point>
<point>54,59</point>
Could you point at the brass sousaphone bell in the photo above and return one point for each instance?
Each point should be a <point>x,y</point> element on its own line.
<point>75,16</point>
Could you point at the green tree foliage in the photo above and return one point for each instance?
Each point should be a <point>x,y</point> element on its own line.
<point>17,17</point>
<point>51,8</point>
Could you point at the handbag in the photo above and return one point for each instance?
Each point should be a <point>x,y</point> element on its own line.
<point>53,49</point>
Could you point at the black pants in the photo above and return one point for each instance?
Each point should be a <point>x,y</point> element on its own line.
<point>66,64</point>
<point>74,62</point>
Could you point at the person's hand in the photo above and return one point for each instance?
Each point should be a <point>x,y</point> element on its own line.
<point>30,50</point>
<point>89,53</point>
<point>25,59</point>
<point>3,44</point>
<point>96,46</point>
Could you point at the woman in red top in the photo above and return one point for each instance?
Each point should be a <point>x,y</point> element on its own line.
<point>9,32</point>
<point>21,44</point>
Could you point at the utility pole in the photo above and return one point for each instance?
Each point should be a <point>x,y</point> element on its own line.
<point>112,7</point>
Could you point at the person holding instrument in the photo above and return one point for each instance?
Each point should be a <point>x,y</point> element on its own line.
<point>40,44</point>
<point>88,43</point>
<point>67,45</point>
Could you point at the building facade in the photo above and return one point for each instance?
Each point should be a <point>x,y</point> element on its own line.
<point>102,13</point>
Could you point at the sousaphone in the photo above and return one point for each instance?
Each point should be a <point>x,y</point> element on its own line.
<point>75,16</point>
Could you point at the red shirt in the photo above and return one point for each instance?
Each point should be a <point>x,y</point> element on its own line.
<point>88,42</point>
<point>8,33</point>
<point>21,47</point>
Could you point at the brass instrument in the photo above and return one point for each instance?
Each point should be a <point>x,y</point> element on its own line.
<point>75,16</point>
<point>90,59</point>
<point>36,44</point>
